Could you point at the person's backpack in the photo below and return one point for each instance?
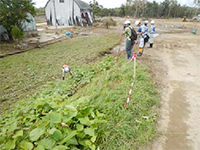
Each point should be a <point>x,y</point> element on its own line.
<point>133,34</point>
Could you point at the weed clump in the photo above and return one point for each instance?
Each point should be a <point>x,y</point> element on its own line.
<point>109,22</point>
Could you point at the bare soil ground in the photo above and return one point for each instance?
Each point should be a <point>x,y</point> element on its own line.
<point>174,63</point>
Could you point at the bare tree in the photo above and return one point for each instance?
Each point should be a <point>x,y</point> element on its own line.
<point>171,5</point>
<point>197,4</point>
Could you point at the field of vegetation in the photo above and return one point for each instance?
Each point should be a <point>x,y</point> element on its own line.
<point>23,74</point>
<point>86,111</point>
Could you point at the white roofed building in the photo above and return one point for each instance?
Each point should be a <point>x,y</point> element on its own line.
<point>68,13</point>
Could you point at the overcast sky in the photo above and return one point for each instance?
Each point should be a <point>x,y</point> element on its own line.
<point>111,3</point>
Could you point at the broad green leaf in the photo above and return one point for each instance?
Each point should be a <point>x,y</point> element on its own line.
<point>81,135</point>
<point>47,143</point>
<point>35,134</point>
<point>39,147</point>
<point>18,133</point>
<point>99,114</point>
<point>82,142</point>
<point>71,108</point>
<point>69,116</point>
<point>72,141</point>
<point>79,127</point>
<point>85,121</point>
<point>74,148</point>
<point>9,145</point>
<point>55,117</point>
<point>52,131</point>
<point>93,139</point>
<point>26,145</point>
<point>92,147</point>
<point>88,142</point>
<point>55,134</point>
<point>61,147</point>
<point>93,115</point>
<point>70,136</point>
<point>89,131</point>
<point>87,111</point>
<point>13,127</point>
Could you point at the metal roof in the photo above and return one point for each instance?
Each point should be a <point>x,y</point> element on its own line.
<point>81,4</point>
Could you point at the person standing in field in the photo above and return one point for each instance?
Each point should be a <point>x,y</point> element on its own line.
<point>143,35</point>
<point>151,33</point>
<point>129,38</point>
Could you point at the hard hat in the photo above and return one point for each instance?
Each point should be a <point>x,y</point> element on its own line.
<point>137,22</point>
<point>127,22</point>
<point>65,66</point>
<point>152,22</point>
<point>146,21</point>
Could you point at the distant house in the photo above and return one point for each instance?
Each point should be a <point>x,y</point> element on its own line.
<point>68,13</point>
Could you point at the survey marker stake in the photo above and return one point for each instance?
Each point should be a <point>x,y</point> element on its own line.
<point>129,95</point>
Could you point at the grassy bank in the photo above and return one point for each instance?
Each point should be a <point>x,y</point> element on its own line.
<point>21,75</point>
<point>126,129</point>
<point>85,111</point>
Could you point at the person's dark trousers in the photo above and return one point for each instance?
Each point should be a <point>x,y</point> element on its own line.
<point>129,47</point>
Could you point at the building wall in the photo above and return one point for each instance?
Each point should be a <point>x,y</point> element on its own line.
<point>64,13</point>
<point>49,11</point>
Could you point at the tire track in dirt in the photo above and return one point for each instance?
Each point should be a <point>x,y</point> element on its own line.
<point>179,72</point>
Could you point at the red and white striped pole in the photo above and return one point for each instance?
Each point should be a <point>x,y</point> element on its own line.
<point>135,59</point>
<point>129,95</point>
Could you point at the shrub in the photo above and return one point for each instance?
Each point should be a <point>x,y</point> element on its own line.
<point>17,33</point>
<point>109,22</point>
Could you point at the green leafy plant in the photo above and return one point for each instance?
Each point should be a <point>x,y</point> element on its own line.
<point>57,118</point>
<point>17,33</point>
<point>49,121</point>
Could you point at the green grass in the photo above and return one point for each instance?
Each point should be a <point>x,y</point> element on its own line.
<point>103,85</point>
<point>127,129</point>
<point>21,75</point>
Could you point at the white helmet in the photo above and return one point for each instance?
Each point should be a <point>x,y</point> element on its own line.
<point>127,22</point>
<point>152,22</point>
<point>137,22</point>
<point>146,22</point>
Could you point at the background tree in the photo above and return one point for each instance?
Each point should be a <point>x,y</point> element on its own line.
<point>197,4</point>
<point>13,12</point>
<point>96,9</point>
<point>122,12</point>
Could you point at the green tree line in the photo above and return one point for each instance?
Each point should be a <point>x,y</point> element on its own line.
<point>144,8</point>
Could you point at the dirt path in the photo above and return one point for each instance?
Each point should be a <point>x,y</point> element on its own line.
<point>175,62</point>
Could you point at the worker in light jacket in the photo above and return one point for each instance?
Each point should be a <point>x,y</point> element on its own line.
<point>143,35</point>
<point>151,33</point>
